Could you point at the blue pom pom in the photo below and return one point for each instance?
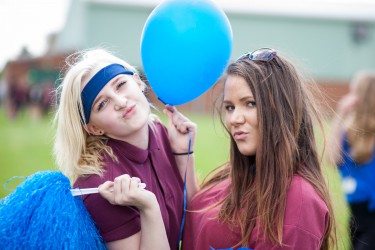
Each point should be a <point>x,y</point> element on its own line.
<point>42,214</point>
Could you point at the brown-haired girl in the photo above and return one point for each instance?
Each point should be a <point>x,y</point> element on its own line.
<point>272,193</point>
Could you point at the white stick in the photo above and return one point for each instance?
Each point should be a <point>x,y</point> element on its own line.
<point>83,191</point>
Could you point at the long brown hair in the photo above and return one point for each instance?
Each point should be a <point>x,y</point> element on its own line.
<point>286,147</point>
<point>361,128</point>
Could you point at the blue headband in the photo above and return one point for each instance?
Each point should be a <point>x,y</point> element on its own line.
<point>96,84</point>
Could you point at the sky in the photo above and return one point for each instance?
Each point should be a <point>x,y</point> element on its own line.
<point>28,23</point>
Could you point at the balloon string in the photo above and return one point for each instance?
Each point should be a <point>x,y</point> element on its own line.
<point>162,101</point>
<point>12,178</point>
<point>185,197</point>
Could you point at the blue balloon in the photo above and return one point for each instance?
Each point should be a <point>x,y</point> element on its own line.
<point>185,47</point>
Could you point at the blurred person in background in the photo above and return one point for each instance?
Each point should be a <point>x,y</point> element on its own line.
<point>17,98</point>
<point>352,145</point>
<point>35,96</point>
<point>47,98</point>
<point>272,193</point>
<point>41,98</point>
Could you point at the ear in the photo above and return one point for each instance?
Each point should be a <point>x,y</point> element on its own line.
<point>94,130</point>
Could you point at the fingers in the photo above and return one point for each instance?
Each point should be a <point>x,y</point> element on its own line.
<point>106,191</point>
<point>185,127</point>
<point>170,117</point>
<point>134,183</point>
<point>170,108</point>
<point>122,191</point>
<point>179,121</point>
<point>124,183</point>
<point>106,186</point>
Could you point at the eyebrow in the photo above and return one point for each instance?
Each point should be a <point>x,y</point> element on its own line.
<point>242,99</point>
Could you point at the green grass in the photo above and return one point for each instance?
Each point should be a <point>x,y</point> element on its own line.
<point>26,147</point>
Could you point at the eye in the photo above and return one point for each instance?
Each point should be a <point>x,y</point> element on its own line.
<point>101,105</point>
<point>251,104</point>
<point>120,84</point>
<point>229,107</point>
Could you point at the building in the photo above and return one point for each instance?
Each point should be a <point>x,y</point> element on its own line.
<point>331,41</point>
<point>29,81</point>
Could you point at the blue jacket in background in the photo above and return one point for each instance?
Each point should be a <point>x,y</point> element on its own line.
<point>358,179</point>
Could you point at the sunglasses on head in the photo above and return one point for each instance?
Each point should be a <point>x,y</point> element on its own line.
<point>263,54</point>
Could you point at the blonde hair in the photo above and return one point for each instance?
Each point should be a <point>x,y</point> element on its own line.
<point>77,152</point>
<point>361,124</point>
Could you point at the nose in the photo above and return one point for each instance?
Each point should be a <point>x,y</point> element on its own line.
<point>237,117</point>
<point>120,102</point>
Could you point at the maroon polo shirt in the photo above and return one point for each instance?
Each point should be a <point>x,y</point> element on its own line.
<point>157,168</point>
<point>305,221</point>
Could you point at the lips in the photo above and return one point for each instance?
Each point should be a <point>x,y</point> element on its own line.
<point>129,112</point>
<point>240,135</point>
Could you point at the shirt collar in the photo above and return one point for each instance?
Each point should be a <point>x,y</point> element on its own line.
<point>124,149</point>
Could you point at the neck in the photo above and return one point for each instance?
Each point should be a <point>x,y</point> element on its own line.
<point>140,138</point>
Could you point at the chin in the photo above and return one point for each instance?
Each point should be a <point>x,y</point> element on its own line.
<point>247,152</point>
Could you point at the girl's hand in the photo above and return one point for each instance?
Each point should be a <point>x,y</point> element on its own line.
<point>178,129</point>
<point>125,191</point>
